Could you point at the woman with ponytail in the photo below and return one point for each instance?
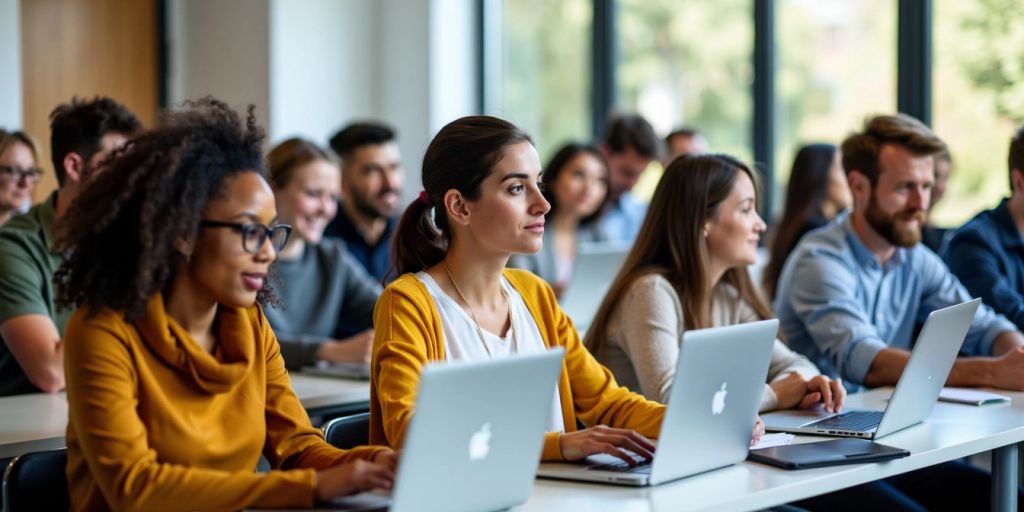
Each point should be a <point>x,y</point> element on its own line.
<point>456,301</point>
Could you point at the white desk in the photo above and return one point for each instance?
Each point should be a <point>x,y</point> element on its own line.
<point>33,422</point>
<point>952,432</point>
<point>37,421</point>
<point>324,395</point>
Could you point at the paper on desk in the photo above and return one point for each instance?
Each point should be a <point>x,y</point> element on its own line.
<point>773,440</point>
<point>971,396</point>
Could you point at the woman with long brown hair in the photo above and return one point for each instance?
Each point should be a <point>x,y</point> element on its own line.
<point>688,270</point>
<point>816,192</point>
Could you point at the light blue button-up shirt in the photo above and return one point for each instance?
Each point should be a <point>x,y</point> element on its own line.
<point>622,220</point>
<point>839,307</point>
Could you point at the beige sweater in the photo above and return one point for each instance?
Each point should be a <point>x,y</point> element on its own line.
<point>646,328</point>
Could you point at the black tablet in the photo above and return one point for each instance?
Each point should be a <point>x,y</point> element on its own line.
<point>826,453</point>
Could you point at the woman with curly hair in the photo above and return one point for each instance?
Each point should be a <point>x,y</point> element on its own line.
<point>175,381</point>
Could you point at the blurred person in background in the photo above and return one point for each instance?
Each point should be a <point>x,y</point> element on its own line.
<point>816,192</point>
<point>19,172</point>
<point>575,184</point>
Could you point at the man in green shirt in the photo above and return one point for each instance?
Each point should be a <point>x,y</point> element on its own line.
<point>82,134</point>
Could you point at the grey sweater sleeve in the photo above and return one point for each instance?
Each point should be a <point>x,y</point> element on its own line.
<point>784,361</point>
<point>361,293</point>
<point>322,290</point>
<point>650,316</point>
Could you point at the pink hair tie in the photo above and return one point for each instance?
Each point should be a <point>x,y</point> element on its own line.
<point>424,198</point>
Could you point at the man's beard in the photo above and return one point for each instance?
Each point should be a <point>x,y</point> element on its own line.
<point>885,225</point>
<point>369,209</point>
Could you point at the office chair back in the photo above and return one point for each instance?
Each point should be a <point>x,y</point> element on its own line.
<point>37,481</point>
<point>348,432</point>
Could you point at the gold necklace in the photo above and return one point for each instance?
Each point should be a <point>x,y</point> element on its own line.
<point>479,331</point>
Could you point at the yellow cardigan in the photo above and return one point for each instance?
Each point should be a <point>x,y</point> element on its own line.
<point>408,334</point>
<point>157,423</point>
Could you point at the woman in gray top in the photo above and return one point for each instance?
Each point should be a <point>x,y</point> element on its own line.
<point>575,184</point>
<point>327,297</point>
<point>688,270</point>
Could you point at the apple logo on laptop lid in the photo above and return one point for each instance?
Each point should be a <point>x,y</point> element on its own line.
<point>718,401</point>
<point>480,443</point>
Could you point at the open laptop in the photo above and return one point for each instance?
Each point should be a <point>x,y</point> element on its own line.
<point>354,371</point>
<point>595,269</point>
<point>476,435</point>
<point>711,412</point>
<point>916,391</point>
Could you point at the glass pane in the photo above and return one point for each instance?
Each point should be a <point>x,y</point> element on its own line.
<point>977,98</point>
<point>544,79</point>
<point>836,66</point>
<point>689,63</point>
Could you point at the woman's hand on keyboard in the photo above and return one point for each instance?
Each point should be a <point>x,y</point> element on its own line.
<point>601,439</point>
<point>830,393</point>
<point>352,477</point>
<point>794,391</point>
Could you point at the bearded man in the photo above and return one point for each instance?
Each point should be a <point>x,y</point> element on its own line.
<point>371,186</point>
<point>852,292</point>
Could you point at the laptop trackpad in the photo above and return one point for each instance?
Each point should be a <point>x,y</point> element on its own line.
<point>794,419</point>
<point>363,502</point>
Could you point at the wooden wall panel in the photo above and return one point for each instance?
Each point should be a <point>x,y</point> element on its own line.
<point>86,48</point>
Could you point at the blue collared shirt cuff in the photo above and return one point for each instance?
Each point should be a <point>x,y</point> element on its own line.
<point>860,357</point>
<point>998,327</point>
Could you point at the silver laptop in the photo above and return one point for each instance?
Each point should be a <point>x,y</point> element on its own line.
<point>475,438</point>
<point>354,371</point>
<point>916,391</point>
<point>717,389</point>
<point>595,269</point>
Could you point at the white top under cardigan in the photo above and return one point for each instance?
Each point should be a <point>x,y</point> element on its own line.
<point>461,342</point>
<point>645,330</point>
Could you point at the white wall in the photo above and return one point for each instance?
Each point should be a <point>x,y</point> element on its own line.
<point>10,64</point>
<point>220,48</point>
<point>321,66</point>
<point>427,73</point>
<point>402,33</point>
<point>453,61</point>
<point>312,66</point>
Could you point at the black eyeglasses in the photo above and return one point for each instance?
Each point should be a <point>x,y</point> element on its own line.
<point>12,173</point>
<point>254,235</point>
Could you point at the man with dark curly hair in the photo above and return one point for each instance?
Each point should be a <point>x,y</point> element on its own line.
<point>83,134</point>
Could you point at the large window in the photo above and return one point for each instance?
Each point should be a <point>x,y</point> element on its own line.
<point>978,99</point>
<point>836,66</point>
<point>542,82</point>
<point>835,61</point>
<point>688,63</point>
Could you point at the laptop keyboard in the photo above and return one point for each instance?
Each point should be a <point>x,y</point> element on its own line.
<point>853,420</point>
<point>620,466</point>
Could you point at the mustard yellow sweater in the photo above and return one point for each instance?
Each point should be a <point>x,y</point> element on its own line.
<point>157,423</point>
<point>408,334</point>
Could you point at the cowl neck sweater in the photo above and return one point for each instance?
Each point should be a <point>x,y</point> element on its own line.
<point>214,372</point>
